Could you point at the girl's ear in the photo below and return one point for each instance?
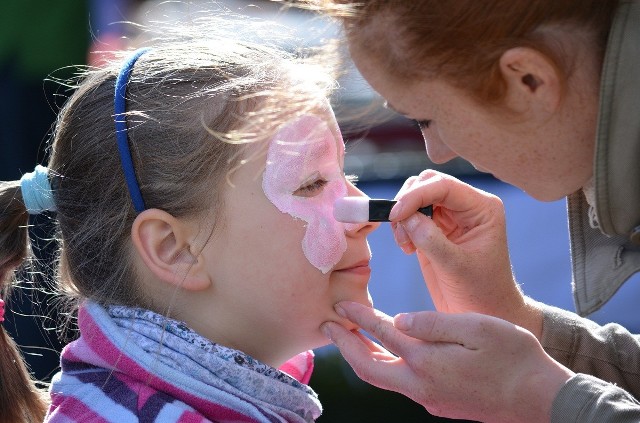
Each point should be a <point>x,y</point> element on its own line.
<point>167,247</point>
<point>533,82</point>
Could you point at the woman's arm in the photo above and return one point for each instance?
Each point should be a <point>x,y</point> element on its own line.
<point>608,352</point>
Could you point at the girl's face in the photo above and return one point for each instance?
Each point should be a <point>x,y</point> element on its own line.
<point>548,157</point>
<point>279,261</point>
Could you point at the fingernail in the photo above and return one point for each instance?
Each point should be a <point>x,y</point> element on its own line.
<point>403,321</point>
<point>401,235</point>
<point>340,311</point>
<point>408,248</point>
<point>395,211</point>
<point>411,223</point>
<point>326,330</point>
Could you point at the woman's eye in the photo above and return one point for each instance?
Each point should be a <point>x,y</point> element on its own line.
<point>311,189</point>
<point>423,124</point>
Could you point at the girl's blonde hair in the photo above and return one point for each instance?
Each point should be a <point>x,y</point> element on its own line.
<point>193,101</point>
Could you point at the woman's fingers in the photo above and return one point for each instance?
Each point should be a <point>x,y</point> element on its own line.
<point>427,237</point>
<point>357,344</point>
<point>402,238</point>
<point>378,324</point>
<point>461,366</point>
<point>441,191</point>
<point>372,363</point>
<point>464,329</point>
<point>462,249</point>
<point>458,209</point>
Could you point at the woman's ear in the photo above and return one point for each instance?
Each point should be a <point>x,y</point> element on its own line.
<point>533,82</point>
<point>166,246</point>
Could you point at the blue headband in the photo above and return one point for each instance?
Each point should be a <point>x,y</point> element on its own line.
<point>120,105</point>
<point>36,191</point>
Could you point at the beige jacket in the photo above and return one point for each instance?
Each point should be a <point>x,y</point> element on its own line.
<point>604,257</point>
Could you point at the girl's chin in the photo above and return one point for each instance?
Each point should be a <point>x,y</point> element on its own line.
<point>368,301</point>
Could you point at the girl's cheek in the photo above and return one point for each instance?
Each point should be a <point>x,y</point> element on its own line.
<point>324,241</point>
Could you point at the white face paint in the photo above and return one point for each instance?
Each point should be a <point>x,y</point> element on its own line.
<point>304,177</point>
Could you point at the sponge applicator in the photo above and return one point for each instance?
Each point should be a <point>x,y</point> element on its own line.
<point>363,209</point>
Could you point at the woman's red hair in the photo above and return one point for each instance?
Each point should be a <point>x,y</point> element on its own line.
<point>463,40</point>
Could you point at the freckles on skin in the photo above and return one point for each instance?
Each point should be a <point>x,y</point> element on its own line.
<point>300,150</point>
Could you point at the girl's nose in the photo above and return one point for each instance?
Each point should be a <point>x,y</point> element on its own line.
<point>358,229</point>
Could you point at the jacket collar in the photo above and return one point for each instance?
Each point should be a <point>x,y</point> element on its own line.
<point>604,258</point>
<point>617,171</point>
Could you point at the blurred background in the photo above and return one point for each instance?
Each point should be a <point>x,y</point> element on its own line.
<point>40,40</point>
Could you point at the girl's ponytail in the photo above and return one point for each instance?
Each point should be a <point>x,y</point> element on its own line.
<point>13,230</point>
<point>20,399</point>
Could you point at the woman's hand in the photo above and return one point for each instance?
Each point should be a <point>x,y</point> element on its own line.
<point>465,366</point>
<point>462,250</point>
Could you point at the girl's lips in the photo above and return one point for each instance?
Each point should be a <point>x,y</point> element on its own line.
<point>360,270</point>
<point>362,267</point>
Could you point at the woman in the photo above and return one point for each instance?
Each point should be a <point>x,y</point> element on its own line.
<point>543,95</point>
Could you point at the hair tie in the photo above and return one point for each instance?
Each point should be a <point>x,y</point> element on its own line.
<point>1,310</point>
<point>120,108</point>
<point>36,191</point>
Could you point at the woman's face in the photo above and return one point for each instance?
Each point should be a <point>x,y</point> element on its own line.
<point>547,158</point>
<point>280,261</point>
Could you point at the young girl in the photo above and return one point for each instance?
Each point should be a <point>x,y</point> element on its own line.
<point>195,222</point>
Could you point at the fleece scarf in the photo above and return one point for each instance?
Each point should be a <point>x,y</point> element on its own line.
<point>131,365</point>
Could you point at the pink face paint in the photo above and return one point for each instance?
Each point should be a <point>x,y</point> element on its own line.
<point>302,152</point>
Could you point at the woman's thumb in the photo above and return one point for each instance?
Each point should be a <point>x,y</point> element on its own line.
<point>428,238</point>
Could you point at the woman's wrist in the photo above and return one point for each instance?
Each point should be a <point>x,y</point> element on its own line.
<point>524,312</point>
<point>532,317</point>
<point>541,387</point>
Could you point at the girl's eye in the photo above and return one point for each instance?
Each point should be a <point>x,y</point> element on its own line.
<point>310,189</point>
<point>423,124</point>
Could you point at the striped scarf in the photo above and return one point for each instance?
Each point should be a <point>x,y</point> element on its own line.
<point>133,365</point>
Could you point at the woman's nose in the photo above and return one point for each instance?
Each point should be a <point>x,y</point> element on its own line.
<point>437,150</point>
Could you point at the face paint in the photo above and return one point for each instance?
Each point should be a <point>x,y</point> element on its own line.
<point>301,153</point>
